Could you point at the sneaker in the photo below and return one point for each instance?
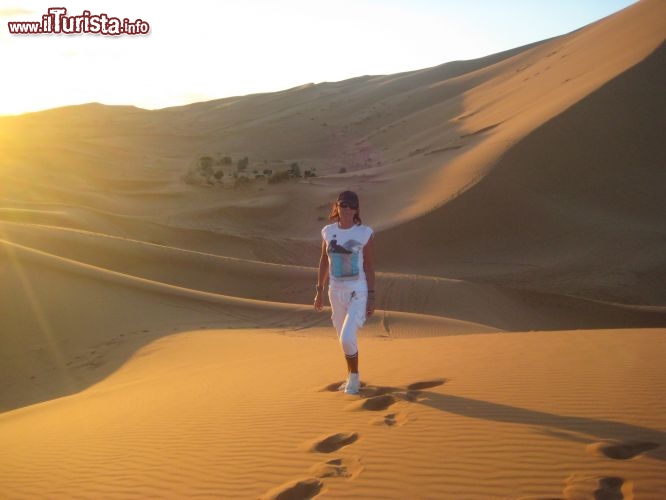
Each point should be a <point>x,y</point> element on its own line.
<point>353,384</point>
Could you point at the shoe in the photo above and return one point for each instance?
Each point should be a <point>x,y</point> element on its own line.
<point>353,384</point>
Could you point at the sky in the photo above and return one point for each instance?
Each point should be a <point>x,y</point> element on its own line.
<point>201,50</point>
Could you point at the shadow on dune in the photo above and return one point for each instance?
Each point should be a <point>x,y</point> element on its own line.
<point>66,325</point>
<point>641,440</point>
<point>575,208</point>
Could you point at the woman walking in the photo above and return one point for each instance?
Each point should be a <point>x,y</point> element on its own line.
<point>347,263</point>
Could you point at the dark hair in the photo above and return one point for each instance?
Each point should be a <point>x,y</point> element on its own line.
<point>335,215</point>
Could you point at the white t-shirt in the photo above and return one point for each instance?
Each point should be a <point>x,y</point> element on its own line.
<point>345,255</point>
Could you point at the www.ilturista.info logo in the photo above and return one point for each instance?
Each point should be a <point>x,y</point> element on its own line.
<point>58,22</point>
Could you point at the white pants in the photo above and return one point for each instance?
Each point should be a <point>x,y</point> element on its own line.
<point>348,316</point>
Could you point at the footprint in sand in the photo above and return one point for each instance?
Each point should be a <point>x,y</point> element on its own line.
<point>295,490</point>
<point>369,391</point>
<point>310,487</point>
<point>599,488</point>
<point>332,443</point>
<point>391,420</point>
<point>380,398</point>
<point>620,451</point>
<point>334,387</point>
<point>348,467</point>
<point>375,403</point>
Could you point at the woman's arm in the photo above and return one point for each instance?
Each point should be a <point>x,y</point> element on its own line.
<point>322,277</point>
<point>369,269</point>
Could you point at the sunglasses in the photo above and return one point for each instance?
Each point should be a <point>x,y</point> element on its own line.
<point>344,204</point>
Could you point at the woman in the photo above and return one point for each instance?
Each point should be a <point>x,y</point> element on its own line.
<point>347,263</point>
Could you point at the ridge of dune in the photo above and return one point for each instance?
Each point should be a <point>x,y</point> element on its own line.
<point>484,304</point>
<point>67,323</point>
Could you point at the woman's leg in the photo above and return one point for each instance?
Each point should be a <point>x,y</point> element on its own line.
<point>348,315</point>
<point>354,319</point>
<point>339,303</point>
<point>348,338</point>
<point>352,363</point>
<point>338,309</point>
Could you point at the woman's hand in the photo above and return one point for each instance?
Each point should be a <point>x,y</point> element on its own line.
<point>370,307</point>
<point>319,302</point>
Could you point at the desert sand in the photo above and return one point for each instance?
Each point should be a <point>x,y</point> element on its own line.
<point>157,335</point>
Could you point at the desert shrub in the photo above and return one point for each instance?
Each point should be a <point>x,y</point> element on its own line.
<point>206,165</point>
<point>281,176</point>
<point>206,161</point>
<point>242,164</point>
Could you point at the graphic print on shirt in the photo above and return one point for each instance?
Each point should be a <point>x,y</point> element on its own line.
<point>344,259</point>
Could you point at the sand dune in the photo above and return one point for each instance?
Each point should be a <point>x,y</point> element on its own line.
<point>496,307</point>
<point>590,207</point>
<point>67,317</point>
<point>157,337</point>
<point>194,415</point>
